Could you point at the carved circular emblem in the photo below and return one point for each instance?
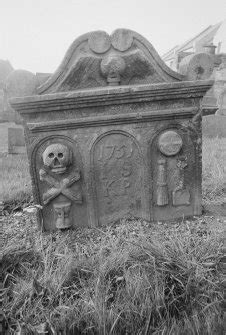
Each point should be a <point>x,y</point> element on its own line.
<point>122,39</point>
<point>170,143</point>
<point>99,42</point>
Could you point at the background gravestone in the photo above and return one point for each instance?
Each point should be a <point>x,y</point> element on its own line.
<point>5,70</point>
<point>16,141</point>
<point>215,125</point>
<point>115,132</point>
<point>221,87</point>
<point>18,83</point>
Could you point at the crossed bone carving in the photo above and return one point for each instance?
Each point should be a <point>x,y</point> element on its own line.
<point>60,187</point>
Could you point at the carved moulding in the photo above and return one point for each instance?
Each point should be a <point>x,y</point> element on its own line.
<point>174,182</point>
<point>57,175</point>
<point>117,175</point>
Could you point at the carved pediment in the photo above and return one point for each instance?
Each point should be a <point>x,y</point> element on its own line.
<point>97,59</point>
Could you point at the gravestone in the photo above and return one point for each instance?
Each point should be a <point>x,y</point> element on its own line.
<point>114,132</point>
<point>222,102</point>
<point>16,142</point>
<point>18,83</point>
<point>5,70</point>
<point>220,86</point>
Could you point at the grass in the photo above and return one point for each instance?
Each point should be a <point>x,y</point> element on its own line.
<point>15,179</point>
<point>214,168</point>
<point>129,278</point>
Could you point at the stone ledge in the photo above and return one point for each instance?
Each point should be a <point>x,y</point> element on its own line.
<point>112,119</point>
<point>110,96</point>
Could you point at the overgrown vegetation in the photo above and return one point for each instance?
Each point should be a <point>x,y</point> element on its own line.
<point>131,278</point>
<point>15,180</point>
<point>214,163</point>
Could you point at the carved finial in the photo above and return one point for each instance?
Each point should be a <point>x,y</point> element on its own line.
<point>112,67</point>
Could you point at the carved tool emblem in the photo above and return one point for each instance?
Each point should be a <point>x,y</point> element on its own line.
<point>162,191</point>
<point>181,195</point>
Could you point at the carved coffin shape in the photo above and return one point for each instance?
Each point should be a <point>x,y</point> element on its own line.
<point>107,134</point>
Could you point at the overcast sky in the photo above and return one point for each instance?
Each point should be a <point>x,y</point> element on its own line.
<point>35,34</point>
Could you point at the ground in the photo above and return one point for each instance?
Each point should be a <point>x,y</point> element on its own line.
<point>132,277</point>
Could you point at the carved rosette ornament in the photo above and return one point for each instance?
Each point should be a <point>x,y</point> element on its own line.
<point>57,158</point>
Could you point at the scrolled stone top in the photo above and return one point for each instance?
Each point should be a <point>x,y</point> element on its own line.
<point>97,59</point>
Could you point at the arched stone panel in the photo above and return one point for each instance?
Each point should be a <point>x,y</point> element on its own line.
<point>118,177</point>
<point>173,172</point>
<point>59,189</point>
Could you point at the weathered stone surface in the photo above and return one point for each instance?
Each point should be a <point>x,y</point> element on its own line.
<point>197,66</point>
<point>81,66</point>
<point>114,132</point>
<point>41,77</point>
<point>118,169</point>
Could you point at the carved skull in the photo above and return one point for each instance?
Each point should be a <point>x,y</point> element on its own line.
<point>57,157</point>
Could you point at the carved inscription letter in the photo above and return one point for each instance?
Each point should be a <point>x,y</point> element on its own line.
<point>118,178</point>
